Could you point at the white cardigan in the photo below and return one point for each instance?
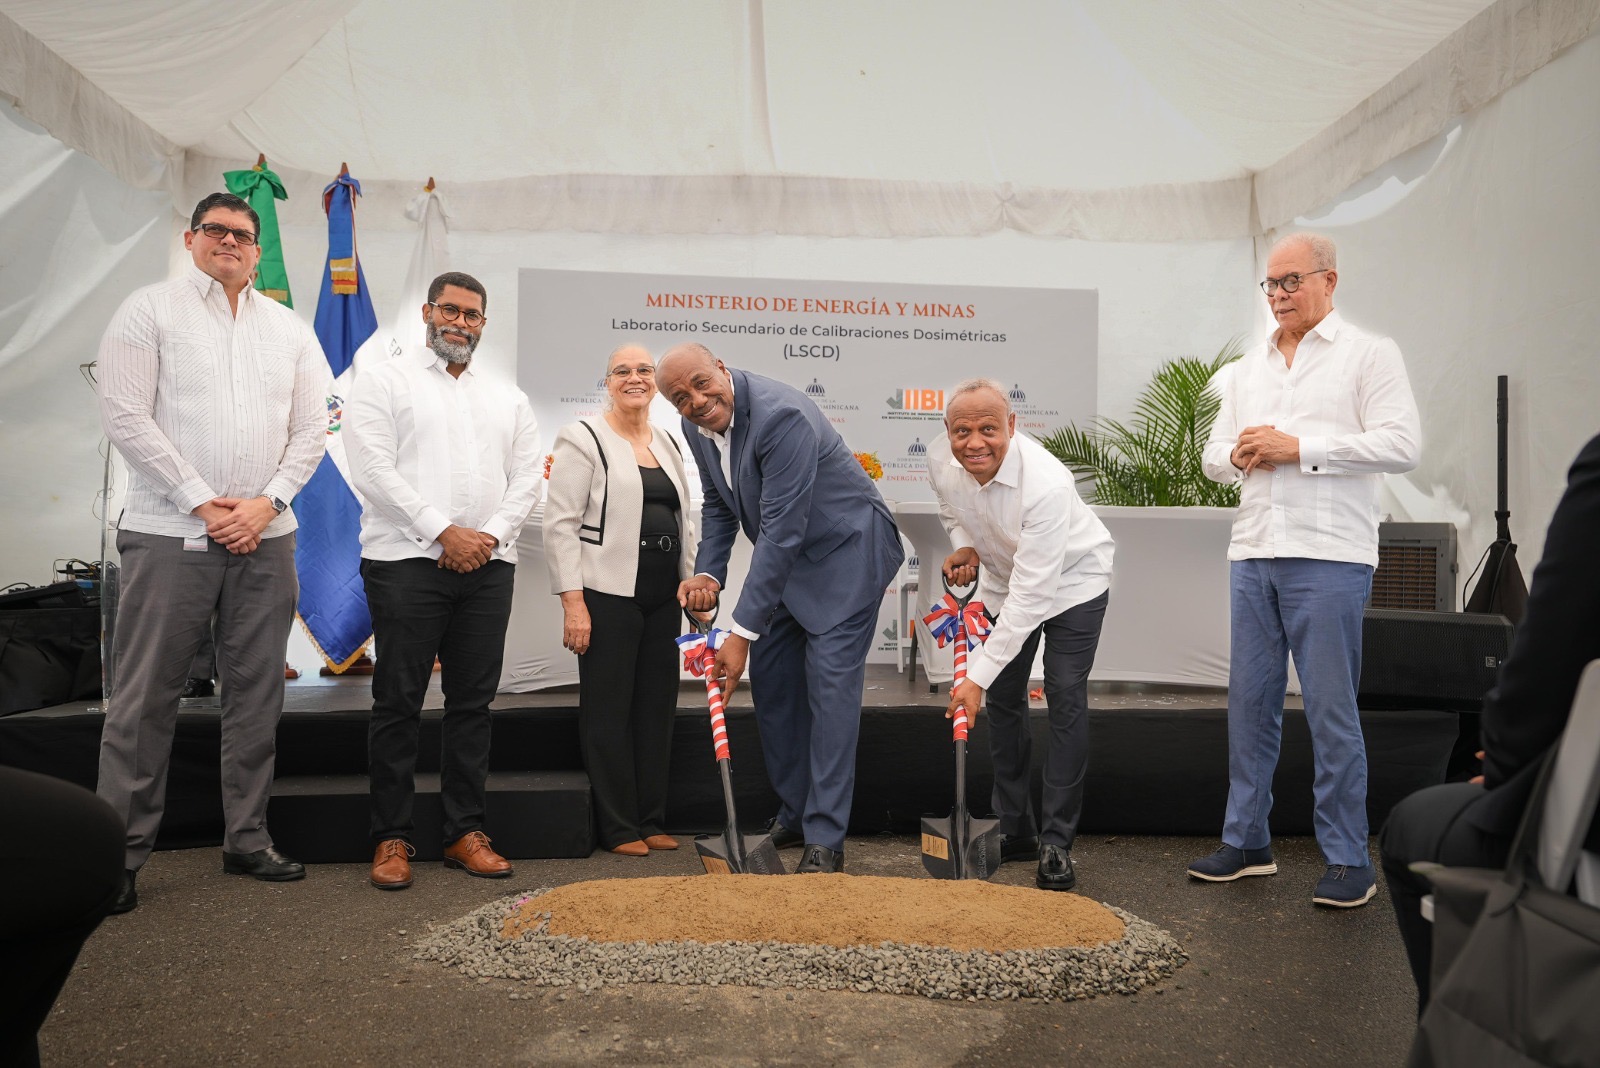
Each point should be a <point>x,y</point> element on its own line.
<point>578,487</point>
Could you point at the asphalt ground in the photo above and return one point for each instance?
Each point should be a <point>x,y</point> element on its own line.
<point>217,969</point>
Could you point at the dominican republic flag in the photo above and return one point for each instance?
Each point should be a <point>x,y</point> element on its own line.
<point>333,602</point>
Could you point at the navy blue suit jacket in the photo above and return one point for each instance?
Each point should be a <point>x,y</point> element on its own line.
<point>825,543</point>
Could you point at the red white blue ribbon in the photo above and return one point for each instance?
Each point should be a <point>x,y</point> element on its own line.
<point>950,622</point>
<point>947,616</point>
<point>699,659</point>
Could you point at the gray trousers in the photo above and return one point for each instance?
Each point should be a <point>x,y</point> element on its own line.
<point>1070,640</point>
<point>167,599</point>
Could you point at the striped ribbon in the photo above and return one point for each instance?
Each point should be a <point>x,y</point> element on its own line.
<point>699,659</point>
<point>947,616</point>
<point>950,622</point>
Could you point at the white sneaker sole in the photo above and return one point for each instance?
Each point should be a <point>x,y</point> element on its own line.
<point>1248,869</point>
<point>1354,903</point>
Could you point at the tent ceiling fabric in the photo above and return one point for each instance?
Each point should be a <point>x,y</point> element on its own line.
<point>1156,120</point>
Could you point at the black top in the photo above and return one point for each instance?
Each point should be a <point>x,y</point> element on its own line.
<point>660,515</point>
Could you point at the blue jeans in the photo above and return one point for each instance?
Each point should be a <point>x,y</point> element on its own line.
<point>1311,609</point>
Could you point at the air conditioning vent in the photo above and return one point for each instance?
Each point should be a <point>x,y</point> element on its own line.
<point>1416,568</point>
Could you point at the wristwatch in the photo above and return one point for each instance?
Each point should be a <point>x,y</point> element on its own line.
<point>278,503</point>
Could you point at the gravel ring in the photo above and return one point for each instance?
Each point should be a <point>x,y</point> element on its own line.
<point>1143,956</point>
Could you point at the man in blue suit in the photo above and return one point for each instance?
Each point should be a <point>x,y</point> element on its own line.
<point>825,548</point>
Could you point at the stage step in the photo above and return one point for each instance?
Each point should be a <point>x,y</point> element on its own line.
<point>530,815</point>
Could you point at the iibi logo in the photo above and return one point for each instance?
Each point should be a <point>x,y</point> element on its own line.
<point>917,400</point>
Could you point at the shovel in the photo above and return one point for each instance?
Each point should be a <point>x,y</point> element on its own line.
<point>959,847</point>
<point>728,853</point>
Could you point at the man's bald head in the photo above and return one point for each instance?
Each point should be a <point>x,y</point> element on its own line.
<point>697,384</point>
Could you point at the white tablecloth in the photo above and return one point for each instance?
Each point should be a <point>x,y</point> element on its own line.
<point>1167,621</point>
<point>1168,617</point>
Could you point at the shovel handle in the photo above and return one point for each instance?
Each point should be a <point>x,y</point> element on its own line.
<point>719,726</point>
<point>702,626</point>
<point>960,721</point>
<point>960,598</point>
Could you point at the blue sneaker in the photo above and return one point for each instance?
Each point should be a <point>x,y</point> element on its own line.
<point>1345,887</point>
<point>1231,862</point>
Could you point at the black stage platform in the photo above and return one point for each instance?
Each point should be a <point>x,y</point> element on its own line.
<point>1158,765</point>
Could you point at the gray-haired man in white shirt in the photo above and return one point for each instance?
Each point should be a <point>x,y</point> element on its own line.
<point>1046,570</point>
<point>216,397</point>
<point>1310,420</point>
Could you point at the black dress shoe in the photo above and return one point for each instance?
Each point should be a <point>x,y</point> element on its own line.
<point>127,897</point>
<point>1019,848</point>
<point>782,837</point>
<point>198,688</point>
<point>820,859</point>
<point>266,864</point>
<point>1055,868</point>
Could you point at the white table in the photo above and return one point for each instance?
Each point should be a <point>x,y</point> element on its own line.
<point>1168,617</point>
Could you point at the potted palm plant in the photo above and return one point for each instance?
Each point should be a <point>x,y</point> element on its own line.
<point>1154,458</point>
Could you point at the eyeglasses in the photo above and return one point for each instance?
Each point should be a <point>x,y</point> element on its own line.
<point>622,374</point>
<point>450,313</point>
<point>1289,282</point>
<point>216,231</point>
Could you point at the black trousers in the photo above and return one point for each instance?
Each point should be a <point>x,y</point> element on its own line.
<point>51,898</point>
<point>627,695</point>
<point>1070,640</point>
<point>1428,826</point>
<point>421,611</point>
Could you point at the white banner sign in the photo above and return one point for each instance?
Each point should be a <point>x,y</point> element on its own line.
<point>879,359</point>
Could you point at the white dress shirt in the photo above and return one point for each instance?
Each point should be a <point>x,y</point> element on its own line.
<point>1348,400</point>
<point>1042,550</point>
<point>428,450</point>
<point>204,404</point>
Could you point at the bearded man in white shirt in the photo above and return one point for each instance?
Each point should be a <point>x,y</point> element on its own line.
<point>216,397</point>
<point>1044,558</point>
<point>446,460</point>
<point>1310,420</point>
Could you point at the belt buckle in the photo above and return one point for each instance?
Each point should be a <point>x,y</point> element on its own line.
<point>660,541</point>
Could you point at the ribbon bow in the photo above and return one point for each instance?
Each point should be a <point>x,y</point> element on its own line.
<point>947,617</point>
<point>696,647</point>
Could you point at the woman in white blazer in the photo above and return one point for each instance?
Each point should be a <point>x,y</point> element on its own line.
<point>618,538</point>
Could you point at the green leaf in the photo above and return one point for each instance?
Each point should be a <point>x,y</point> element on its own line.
<point>1153,459</point>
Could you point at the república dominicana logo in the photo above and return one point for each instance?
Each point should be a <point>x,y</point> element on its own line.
<point>335,413</point>
<point>1034,418</point>
<point>910,466</point>
<point>833,409</point>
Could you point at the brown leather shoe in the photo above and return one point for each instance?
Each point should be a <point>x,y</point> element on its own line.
<point>661,841</point>
<point>632,849</point>
<point>391,864</point>
<point>471,852</point>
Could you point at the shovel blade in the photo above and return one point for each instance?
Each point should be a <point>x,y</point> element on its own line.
<point>723,854</point>
<point>940,854</point>
<point>761,856</point>
<point>981,857</point>
<point>960,847</point>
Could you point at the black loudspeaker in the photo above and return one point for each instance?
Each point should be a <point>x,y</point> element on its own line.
<point>1444,661</point>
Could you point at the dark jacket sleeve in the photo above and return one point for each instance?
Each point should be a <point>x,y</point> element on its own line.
<point>1526,711</point>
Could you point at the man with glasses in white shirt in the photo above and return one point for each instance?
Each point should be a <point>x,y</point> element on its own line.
<point>216,397</point>
<point>1310,421</point>
<point>446,460</point>
<point>1013,513</point>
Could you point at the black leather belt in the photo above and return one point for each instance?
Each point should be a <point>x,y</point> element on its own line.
<point>667,543</point>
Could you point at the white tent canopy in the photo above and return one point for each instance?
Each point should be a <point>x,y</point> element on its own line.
<point>1147,149</point>
<point>1150,121</point>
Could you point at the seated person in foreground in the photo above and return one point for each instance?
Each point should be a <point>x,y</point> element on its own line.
<point>1472,824</point>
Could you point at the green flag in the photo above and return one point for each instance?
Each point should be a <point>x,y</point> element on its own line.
<point>260,187</point>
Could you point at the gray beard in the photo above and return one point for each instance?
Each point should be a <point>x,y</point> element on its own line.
<point>453,351</point>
